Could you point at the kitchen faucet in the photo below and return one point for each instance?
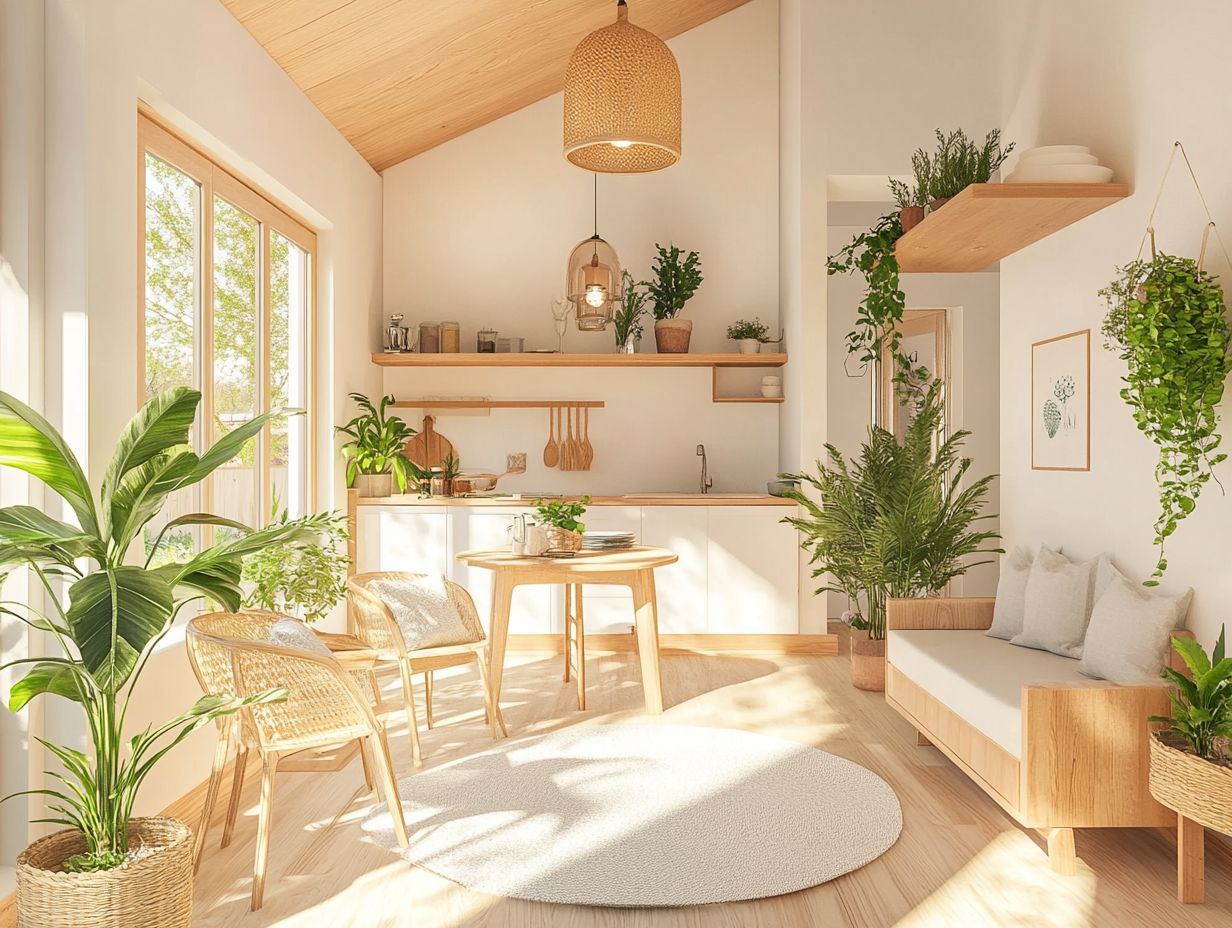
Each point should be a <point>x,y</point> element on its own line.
<point>706,482</point>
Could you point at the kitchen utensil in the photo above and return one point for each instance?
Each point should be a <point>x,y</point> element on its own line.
<point>771,391</point>
<point>429,448</point>
<point>1032,173</point>
<point>1054,150</point>
<point>569,448</point>
<point>1057,158</point>
<point>588,450</point>
<point>551,451</point>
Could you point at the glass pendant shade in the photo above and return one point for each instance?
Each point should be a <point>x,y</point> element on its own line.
<point>622,101</point>
<point>593,283</point>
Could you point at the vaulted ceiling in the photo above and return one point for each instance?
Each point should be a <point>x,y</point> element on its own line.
<point>397,77</point>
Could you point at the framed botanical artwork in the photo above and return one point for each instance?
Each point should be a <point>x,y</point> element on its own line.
<point>1061,402</point>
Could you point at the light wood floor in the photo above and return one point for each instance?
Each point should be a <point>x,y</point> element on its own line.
<point>960,860</point>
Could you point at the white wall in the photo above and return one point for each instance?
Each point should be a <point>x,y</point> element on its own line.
<point>204,74</point>
<point>1077,75</point>
<point>478,230</point>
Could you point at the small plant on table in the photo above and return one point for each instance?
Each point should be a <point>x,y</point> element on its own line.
<point>563,520</point>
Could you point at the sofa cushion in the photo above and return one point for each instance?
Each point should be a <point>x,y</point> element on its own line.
<point>1057,604</point>
<point>978,678</point>
<point>1008,609</point>
<point>1131,631</point>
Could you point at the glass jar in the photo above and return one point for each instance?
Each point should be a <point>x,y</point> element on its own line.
<point>451,338</point>
<point>429,338</point>
<point>485,341</point>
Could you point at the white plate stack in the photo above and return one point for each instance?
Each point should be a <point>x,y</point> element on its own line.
<point>1059,164</point>
<point>607,541</point>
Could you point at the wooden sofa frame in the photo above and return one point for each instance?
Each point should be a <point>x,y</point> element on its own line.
<point>1085,753</point>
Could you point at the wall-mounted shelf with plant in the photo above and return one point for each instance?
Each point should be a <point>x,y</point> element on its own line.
<point>375,458</point>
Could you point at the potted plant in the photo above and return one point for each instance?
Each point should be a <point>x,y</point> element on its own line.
<point>306,581</point>
<point>561,521</point>
<point>895,523</point>
<point>675,281</point>
<point>747,335</point>
<point>1191,758</point>
<point>629,313</point>
<point>912,200</point>
<point>1167,321</point>
<point>375,454</point>
<point>442,479</point>
<point>109,868</point>
<point>957,163</point>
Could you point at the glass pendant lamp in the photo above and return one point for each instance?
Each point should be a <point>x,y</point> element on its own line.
<point>593,279</point>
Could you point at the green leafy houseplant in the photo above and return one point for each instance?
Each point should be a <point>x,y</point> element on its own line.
<point>116,612</point>
<point>629,313</point>
<point>957,163</point>
<point>305,580</point>
<point>675,281</point>
<point>1201,706</point>
<point>376,445</point>
<point>562,514</point>
<point>897,521</point>
<point>755,330</point>
<point>1166,320</point>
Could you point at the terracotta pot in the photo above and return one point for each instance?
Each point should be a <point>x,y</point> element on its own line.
<point>1193,786</point>
<point>910,217</point>
<point>378,485</point>
<point>442,486</point>
<point>748,345</point>
<point>936,204</point>
<point>867,662</point>
<point>672,335</point>
<point>153,889</point>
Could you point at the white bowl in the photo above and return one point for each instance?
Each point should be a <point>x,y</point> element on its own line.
<point>771,381</point>
<point>769,391</point>
<point>1055,150</point>
<point>1059,157</point>
<point>1060,174</point>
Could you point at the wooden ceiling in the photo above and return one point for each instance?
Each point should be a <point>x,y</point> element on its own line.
<point>397,77</point>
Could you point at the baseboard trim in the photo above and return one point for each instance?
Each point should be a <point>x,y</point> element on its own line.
<point>790,645</point>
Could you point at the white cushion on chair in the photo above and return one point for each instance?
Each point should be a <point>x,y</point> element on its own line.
<point>978,678</point>
<point>292,633</point>
<point>425,613</point>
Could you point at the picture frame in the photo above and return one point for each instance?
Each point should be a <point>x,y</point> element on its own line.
<point>1060,402</point>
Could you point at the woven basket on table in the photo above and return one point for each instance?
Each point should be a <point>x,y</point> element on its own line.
<point>1196,788</point>
<point>153,890</point>
<point>560,539</point>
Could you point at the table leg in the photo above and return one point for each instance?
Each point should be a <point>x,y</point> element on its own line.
<point>1190,860</point>
<point>498,633</point>
<point>646,616</point>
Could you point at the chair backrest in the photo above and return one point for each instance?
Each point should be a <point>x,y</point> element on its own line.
<point>323,706</point>
<point>373,622</point>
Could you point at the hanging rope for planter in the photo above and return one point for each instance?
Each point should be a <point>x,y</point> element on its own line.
<point>1210,220</point>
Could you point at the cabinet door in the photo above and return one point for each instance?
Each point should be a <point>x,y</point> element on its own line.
<point>752,572</point>
<point>410,538</point>
<point>609,609</point>
<point>681,587</point>
<point>482,529</point>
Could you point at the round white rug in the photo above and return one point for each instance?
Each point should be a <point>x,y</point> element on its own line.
<point>647,815</point>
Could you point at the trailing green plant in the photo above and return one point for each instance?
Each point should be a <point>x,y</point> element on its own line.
<point>957,163</point>
<point>675,281</point>
<point>742,329</point>
<point>107,615</point>
<point>630,311</point>
<point>306,580</point>
<point>377,444</point>
<point>1201,706</point>
<point>898,520</point>
<point>562,514</point>
<point>1166,320</point>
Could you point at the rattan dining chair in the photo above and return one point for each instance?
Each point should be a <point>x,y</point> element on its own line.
<point>325,706</point>
<point>373,622</point>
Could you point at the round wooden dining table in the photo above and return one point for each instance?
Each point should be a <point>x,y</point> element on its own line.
<point>631,567</point>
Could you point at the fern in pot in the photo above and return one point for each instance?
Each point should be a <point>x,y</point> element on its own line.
<point>676,278</point>
<point>375,456</point>
<point>106,612</point>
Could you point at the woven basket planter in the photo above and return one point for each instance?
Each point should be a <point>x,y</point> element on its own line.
<point>672,335</point>
<point>1196,788</point>
<point>154,890</point>
<point>560,539</point>
<point>867,662</point>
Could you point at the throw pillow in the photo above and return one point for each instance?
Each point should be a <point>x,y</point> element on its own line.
<point>1011,590</point>
<point>1057,604</point>
<point>1129,635</point>
<point>292,633</point>
<point>425,613</point>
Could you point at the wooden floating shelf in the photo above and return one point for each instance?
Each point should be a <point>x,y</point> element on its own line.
<point>392,359</point>
<point>498,404</point>
<point>986,222</point>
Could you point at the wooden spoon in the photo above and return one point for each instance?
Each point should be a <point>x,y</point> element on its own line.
<point>588,450</point>
<point>551,451</point>
<point>569,449</point>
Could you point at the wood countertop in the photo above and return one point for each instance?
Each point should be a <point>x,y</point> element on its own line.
<point>711,499</point>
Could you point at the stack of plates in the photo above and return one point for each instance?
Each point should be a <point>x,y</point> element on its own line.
<point>1059,164</point>
<point>607,541</point>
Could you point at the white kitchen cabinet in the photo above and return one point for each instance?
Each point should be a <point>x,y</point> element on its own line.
<point>751,566</point>
<point>607,609</point>
<point>403,538</point>
<point>680,587</point>
<point>533,611</point>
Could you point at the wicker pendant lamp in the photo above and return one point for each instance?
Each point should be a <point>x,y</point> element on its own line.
<point>622,101</point>
<point>593,279</point>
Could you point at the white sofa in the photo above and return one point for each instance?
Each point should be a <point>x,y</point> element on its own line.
<point>1055,749</point>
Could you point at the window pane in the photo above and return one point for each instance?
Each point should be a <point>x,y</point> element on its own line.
<point>236,344</point>
<point>288,371</point>
<point>172,297</point>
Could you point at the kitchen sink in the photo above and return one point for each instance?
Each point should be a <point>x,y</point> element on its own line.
<point>694,495</point>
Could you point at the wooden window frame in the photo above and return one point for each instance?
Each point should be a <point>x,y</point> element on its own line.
<point>215,179</point>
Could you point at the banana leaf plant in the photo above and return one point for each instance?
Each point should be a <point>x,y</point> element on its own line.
<point>377,444</point>
<point>106,614</point>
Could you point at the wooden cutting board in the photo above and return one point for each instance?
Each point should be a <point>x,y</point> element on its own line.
<point>429,448</point>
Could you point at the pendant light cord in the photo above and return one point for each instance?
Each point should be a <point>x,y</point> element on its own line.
<point>596,177</point>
